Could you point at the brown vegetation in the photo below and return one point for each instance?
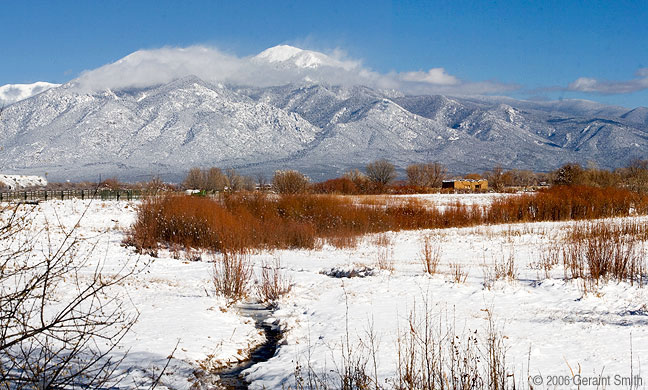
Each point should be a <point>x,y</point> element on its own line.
<point>290,182</point>
<point>426,175</point>
<point>231,275</point>
<point>430,255</point>
<point>601,251</point>
<point>273,282</point>
<point>257,220</point>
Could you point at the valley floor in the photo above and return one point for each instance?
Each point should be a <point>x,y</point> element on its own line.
<point>551,327</point>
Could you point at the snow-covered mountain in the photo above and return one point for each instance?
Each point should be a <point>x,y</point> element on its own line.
<point>292,57</point>
<point>164,129</point>
<point>11,93</point>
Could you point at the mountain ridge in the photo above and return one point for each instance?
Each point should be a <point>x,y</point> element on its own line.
<point>71,133</point>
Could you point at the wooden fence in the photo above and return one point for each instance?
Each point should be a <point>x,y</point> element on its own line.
<point>39,195</point>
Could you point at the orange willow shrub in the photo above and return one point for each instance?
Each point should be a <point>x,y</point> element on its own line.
<point>562,203</point>
<point>257,220</point>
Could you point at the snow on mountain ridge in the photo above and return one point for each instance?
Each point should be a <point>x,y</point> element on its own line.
<point>320,129</point>
<point>303,59</point>
<point>12,93</point>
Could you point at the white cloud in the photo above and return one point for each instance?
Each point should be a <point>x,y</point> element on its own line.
<point>437,76</point>
<point>12,93</point>
<point>279,65</point>
<point>590,85</point>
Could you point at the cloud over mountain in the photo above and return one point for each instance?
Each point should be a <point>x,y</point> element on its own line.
<point>591,85</point>
<point>12,93</point>
<point>279,65</point>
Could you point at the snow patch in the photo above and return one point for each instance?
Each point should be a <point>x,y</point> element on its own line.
<point>15,182</point>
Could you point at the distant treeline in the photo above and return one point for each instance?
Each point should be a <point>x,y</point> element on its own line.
<point>380,177</point>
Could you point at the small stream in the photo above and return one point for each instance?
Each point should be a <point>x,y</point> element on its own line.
<point>231,377</point>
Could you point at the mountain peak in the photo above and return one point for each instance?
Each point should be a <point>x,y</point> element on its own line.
<point>286,55</point>
<point>280,53</point>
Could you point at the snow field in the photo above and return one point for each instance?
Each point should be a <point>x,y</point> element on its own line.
<point>549,323</point>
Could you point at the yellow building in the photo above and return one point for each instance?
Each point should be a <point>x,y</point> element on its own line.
<point>466,184</point>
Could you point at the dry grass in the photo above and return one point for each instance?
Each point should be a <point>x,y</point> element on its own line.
<point>549,258</point>
<point>432,355</point>
<point>458,273</point>
<point>430,255</point>
<point>273,282</point>
<point>231,275</point>
<point>385,255</point>
<point>505,268</point>
<point>602,251</point>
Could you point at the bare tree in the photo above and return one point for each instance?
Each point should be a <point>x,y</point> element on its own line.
<point>426,175</point>
<point>59,320</point>
<point>636,175</point>
<point>215,179</point>
<point>381,172</point>
<point>289,182</point>
<point>359,179</point>
<point>523,178</point>
<point>568,174</point>
<point>195,179</point>
<point>234,180</point>
<point>262,181</point>
<point>496,179</point>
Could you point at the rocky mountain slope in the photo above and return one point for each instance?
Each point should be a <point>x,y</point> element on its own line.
<point>323,130</point>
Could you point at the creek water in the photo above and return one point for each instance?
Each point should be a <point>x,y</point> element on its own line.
<point>231,377</point>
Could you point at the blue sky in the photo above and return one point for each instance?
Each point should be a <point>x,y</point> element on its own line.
<point>562,49</point>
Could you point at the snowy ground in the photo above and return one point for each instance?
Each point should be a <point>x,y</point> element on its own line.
<point>551,327</point>
<point>14,182</point>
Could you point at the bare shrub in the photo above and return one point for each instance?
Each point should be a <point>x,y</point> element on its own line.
<point>561,203</point>
<point>45,344</point>
<point>258,220</point>
<point>352,366</point>
<point>273,283</point>
<point>231,275</point>
<point>549,258</point>
<point>111,183</point>
<point>601,251</point>
<point>343,242</point>
<point>433,355</point>
<point>430,255</point>
<point>385,255</point>
<point>458,272</point>
<point>289,182</point>
<point>505,268</point>
<point>340,185</point>
<point>385,258</point>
